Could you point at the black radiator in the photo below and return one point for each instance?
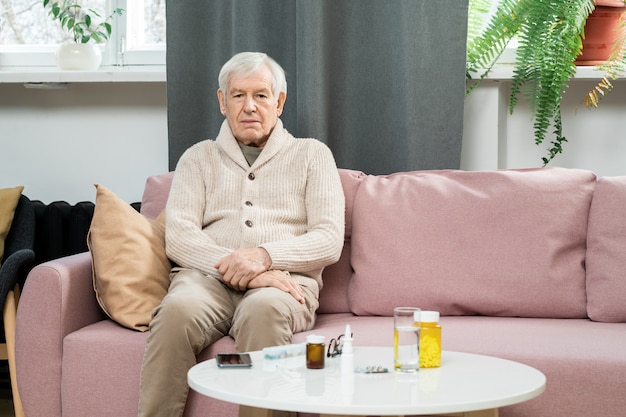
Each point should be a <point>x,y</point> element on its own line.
<point>61,228</point>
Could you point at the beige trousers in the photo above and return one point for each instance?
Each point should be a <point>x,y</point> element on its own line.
<point>197,311</point>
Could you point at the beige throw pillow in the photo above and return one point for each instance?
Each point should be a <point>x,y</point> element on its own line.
<point>130,268</point>
<point>9,197</point>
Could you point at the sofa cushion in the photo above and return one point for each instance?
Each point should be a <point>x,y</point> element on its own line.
<point>114,355</point>
<point>497,243</point>
<point>336,277</point>
<point>606,252</point>
<point>130,268</point>
<point>350,181</point>
<point>155,194</point>
<point>9,198</point>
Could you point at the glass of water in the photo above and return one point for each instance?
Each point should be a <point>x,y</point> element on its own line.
<point>406,336</point>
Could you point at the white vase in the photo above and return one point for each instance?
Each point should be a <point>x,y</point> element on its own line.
<point>79,57</point>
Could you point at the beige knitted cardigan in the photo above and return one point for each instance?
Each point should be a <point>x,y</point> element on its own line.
<point>290,202</point>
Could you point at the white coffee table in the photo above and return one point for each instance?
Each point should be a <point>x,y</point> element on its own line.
<point>464,385</point>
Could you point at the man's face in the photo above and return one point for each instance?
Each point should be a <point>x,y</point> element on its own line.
<point>251,107</point>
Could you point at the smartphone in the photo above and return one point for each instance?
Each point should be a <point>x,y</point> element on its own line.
<point>233,360</point>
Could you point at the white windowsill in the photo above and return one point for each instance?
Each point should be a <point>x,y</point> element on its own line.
<point>157,73</point>
<point>42,75</point>
<point>503,72</point>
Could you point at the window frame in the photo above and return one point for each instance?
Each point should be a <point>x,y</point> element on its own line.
<point>113,51</point>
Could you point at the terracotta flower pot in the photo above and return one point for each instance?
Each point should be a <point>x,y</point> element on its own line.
<point>612,3</point>
<point>601,32</point>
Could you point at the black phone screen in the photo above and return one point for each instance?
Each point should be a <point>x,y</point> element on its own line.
<point>236,360</point>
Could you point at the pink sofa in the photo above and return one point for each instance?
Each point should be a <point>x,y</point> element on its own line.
<point>528,265</point>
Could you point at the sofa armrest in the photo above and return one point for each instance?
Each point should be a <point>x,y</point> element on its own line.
<point>57,299</point>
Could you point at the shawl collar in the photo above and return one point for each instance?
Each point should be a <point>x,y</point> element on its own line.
<point>278,139</point>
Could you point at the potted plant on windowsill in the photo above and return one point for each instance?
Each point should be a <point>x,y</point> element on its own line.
<point>606,41</point>
<point>549,35</point>
<point>82,53</point>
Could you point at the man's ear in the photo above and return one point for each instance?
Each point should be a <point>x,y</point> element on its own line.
<point>281,102</point>
<point>221,99</point>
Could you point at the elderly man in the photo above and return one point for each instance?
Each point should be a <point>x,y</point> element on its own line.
<point>252,219</point>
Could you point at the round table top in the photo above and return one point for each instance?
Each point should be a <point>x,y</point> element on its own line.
<point>464,382</point>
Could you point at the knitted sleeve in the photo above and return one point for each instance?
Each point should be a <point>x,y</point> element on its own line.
<point>185,241</point>
<point>324,200</point>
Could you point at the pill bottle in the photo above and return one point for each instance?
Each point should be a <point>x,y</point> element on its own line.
<point>430,339</point>
<point>315,351</point>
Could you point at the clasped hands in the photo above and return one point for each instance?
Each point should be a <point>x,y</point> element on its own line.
<point>250,268</point>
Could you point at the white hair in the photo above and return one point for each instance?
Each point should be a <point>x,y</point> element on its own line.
<point>247,63</point>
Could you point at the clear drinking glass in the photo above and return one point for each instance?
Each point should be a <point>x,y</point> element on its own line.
<point>406,336</point>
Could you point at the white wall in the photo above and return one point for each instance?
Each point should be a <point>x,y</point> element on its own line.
<point>59,143</point>
<point>596,138</point>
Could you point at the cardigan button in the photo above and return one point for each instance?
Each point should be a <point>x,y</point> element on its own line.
<point>249,223</point>
<point>249,203</point>
<point>251,176</point>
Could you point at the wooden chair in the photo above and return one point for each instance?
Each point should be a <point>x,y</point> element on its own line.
<point>18,260</point>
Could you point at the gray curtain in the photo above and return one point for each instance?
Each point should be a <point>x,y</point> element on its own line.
<point>380,81</point>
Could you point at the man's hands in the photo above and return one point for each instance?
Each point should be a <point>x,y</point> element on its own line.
<point>280,280</point>
<point>249,268</point>
<point>242,266</point>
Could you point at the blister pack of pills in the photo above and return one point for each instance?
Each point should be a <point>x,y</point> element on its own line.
<point>376,369</point>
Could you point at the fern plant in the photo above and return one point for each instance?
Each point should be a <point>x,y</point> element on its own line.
<point>550,34</point>
<point>79,22</point>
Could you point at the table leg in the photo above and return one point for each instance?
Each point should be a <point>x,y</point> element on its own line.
<point>482,413</point>
<point>341,415</point>
<point>246,411</point>
<point>335,415</point>
<point>493,412</point>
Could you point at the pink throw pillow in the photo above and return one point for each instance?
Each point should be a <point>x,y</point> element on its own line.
<point>155,194</point>
<point>336,277</point>
<point>606,252</point>
<point>497,243</point>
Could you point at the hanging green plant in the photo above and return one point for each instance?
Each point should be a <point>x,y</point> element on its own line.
<point>549,34</point>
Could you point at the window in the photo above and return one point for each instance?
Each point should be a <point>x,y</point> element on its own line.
<point>29,36</point>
